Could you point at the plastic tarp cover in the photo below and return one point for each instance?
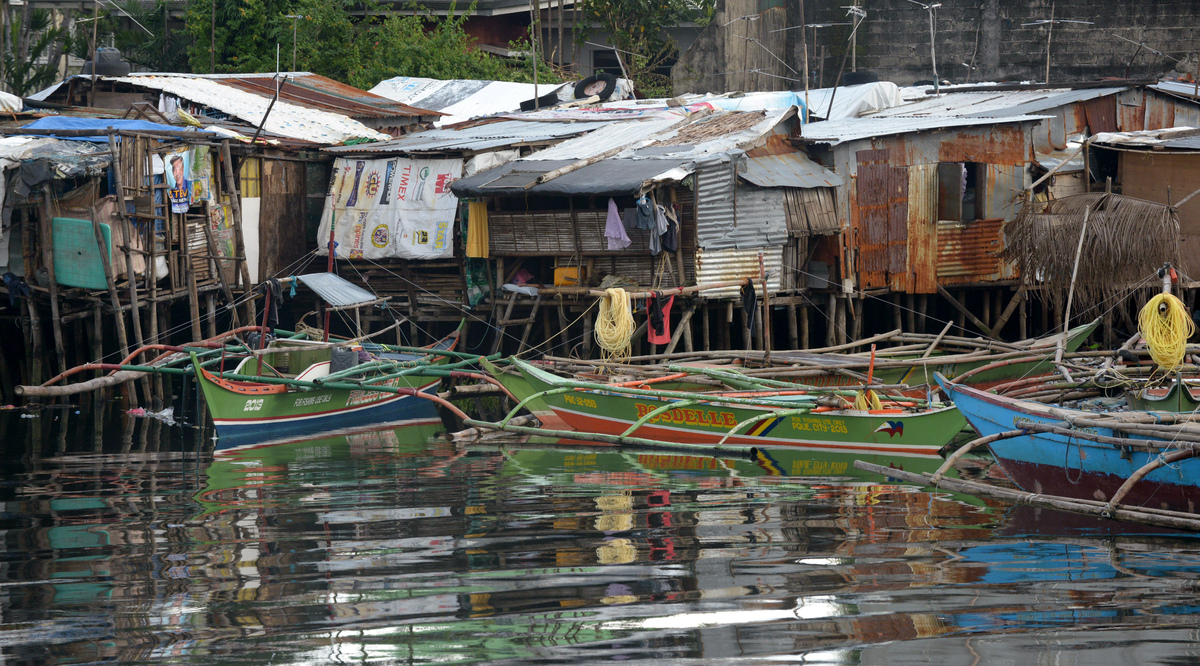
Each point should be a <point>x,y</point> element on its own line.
<point>101,126</point>
<point>336,290</point>
<point>10,103</point>
<point>853,101</point>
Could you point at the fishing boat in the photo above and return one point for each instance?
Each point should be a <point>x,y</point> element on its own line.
<point>1178,395</point>
<point>252,403</point>
<point>1088,456</point>
<point>263,384</point>
<point>765,417</point>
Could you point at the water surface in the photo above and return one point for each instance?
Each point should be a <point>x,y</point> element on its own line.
<point>128,540</point>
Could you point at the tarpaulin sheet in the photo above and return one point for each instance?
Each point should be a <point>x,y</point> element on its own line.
<point>395,207</point>
<point>102,124</point>
<point>336,290</point>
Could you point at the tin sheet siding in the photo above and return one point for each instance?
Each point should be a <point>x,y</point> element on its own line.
<point>761,217</point>
<point>715,207</point>
<point>922,228</point>
<point>1005,185</point>
<point>897,242</point>
<point>726,265</point>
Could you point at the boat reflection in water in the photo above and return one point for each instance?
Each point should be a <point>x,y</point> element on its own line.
<point>390,547</point>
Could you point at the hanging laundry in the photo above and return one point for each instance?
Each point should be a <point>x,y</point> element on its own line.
<point>614,229</point>
<point>749,304</point>
<point>477,230</point>
<point>658,331</point>
<point>645,214</point>
<point>660,228</point>
<point>670,238</point>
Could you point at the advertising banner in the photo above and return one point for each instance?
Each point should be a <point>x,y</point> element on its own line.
<point>391,208</point>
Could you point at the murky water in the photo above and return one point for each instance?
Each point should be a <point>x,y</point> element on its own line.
<point>133,541</point>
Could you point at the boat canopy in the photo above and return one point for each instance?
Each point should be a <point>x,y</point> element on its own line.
<point>336,290</point>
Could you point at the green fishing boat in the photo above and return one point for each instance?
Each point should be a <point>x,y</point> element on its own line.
<point>640,416</point>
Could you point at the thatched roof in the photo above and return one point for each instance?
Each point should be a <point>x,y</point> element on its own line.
<point>1127,241</point>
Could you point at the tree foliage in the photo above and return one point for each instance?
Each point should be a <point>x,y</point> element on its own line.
<point>638,29</point>
<point>350,43</point>
<point>151,44</point>
<point>30,64</point>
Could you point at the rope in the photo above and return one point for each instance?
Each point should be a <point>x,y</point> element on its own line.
<point>614,324</point>
<point>1166,326</point>
<point>867,399</point>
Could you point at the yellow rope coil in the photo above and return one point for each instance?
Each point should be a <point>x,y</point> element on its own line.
<point>867,399</point>
<point>614,324</point>
<point>1165,324</point>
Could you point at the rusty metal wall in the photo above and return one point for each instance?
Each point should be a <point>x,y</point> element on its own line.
<point>969,253</point>
<point>725,265</point>
<point>874,173</point>
<point>1141,109</point>
<point>716,214</point>
<point>922,228</point>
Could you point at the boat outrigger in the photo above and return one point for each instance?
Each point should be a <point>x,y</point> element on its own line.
<point>778,414</point>
<point>258,390</point>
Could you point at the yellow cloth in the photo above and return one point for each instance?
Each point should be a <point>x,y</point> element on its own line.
<point>477,230</point>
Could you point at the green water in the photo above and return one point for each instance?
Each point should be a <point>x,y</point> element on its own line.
<point>125,540</point>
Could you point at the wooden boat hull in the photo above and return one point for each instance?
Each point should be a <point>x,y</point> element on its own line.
<point>605,412</point>
<point>241,417</point>
<point>1048,463</point>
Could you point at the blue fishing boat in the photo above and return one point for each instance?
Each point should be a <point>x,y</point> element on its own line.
<point>1083,455</point>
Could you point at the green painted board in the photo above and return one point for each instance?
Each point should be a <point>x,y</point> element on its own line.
<point>76,257</point>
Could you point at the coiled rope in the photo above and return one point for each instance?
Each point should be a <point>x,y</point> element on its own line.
<point>1166,326</point>
<point>867,399</point>
<point>614,324</point>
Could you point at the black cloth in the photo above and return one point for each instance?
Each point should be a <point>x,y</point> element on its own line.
<point>644,217</point>
<point>670,240</point>
<point>749,304</point>
<point>654,308</point>
<point>274,293</point>
<point>16,286</point>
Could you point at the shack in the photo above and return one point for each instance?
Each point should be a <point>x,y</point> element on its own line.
<point>743,198</point>
<point>923,209</point>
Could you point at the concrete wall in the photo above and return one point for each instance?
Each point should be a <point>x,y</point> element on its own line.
<point>893,41</point>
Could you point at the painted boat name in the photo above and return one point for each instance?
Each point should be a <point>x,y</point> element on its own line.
<point>688,416</point>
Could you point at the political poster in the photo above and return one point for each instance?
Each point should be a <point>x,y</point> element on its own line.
<point>179,183</point>
<point>391,208</point>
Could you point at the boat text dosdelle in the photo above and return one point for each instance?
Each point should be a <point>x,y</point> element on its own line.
<point>688,416</point>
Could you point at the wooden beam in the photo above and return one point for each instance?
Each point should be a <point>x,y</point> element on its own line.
<point>962,309</point>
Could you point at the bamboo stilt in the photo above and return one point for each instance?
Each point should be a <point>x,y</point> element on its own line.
<point>46,232</point>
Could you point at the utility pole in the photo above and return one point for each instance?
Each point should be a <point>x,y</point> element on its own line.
<point>1049,23</point>
<point>932,41</point>
<point>295,18</point>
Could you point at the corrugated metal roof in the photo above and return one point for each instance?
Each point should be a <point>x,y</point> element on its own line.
<point>1176,88</point>
<point>629,133</point>
<point>992,104</point>
<point>285,119</point>
<point>728,265</point>
<point>854,129</point>
<point>319,92</point>
<point>336,290</point>
<point>488,136</point>
<point>1147,138</point>
<point>611,177</point>
<point>787,170</point>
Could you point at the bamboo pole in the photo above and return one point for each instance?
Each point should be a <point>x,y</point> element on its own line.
<point>1145,516</point>
<point>127,232</point>
<point>46,233</point>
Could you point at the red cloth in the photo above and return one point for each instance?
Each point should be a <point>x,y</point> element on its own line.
<point>665,337</point>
